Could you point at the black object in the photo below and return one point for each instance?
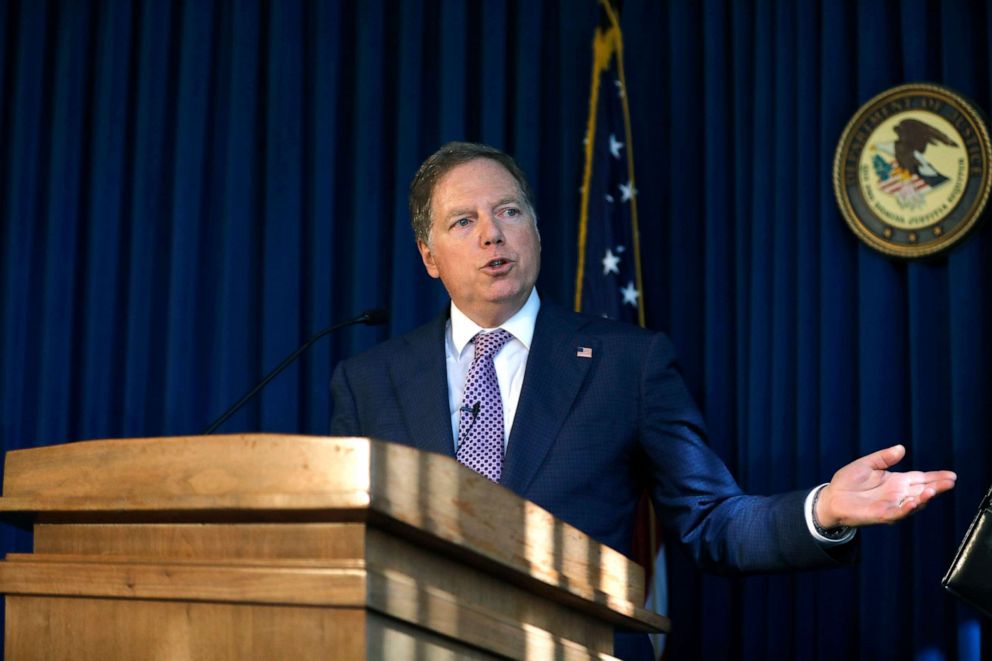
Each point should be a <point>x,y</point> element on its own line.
<point>970,575</point>
<point>369,318</point>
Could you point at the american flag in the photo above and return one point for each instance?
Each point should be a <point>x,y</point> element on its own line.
<point>608,278</point>
<point>894,184</point>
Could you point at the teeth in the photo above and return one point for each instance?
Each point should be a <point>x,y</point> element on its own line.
<point>496,262</point>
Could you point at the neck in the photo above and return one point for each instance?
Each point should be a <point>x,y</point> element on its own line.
<point>491,316</point>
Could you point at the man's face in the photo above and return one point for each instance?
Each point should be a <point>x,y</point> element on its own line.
<point>484,244</point>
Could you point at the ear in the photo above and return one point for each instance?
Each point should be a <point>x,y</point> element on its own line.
<point>428,257</point>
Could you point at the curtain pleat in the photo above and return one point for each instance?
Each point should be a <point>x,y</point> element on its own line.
<point>189,190</point>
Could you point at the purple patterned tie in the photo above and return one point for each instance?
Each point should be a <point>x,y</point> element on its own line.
<point>480,422</point>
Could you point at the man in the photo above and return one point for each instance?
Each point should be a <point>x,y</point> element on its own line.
<point>577,413</point>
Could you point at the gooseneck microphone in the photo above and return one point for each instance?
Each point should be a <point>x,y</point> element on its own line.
<point>375,317</point>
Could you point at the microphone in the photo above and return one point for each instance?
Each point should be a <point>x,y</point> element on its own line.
<point>474,410</point>
<point>375,317</point>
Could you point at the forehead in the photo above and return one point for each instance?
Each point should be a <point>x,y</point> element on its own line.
<point>478,182</point>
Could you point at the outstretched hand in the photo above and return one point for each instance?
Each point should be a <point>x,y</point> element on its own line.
<point>865,492</point>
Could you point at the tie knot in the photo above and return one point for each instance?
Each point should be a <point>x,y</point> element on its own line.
<point>488,344</point>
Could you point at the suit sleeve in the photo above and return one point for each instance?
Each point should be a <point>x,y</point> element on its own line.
<point>344,412</point>
<point>698,500</point>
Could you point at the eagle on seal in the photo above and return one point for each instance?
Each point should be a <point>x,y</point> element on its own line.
<point>913,138</point>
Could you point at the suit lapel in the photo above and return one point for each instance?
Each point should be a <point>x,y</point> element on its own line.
<point>554,375</point>
<point>420,380</point>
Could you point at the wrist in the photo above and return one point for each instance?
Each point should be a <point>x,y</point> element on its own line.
<point>822,512</point>
<point>824,521</point>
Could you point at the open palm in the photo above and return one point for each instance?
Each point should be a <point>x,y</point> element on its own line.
<point>866,492</point>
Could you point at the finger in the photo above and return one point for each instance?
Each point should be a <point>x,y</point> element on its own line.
<point>918,488</point>
<point>909,490</point>
<point>896,512</point>
<point>925,493</point>
<point>931,481</point>
<point>924,478</point>
<point>940,486</point>
<point>934,489</point>
<point>905,507</point>
<point>883,459</point>
<point>940,476</point>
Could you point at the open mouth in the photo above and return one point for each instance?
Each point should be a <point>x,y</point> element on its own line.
<point>498,266</point>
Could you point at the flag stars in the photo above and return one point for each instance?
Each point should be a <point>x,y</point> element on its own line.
<point>627,192</point>
<point>630,294</point>
<point>619,87</point>
<point>611,263</point>
<point>615,146</point>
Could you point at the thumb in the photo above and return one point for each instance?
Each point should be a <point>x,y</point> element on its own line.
<point>886,458</point>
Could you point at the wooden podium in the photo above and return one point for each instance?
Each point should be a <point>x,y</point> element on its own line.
<point>264,546</point>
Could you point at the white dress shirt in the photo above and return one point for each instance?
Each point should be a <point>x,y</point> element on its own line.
<point>510,362</point>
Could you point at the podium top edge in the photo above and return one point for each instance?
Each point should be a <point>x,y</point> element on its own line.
<point>425,492</point>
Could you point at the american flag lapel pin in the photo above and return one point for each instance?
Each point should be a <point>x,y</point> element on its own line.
<point>584,352</point>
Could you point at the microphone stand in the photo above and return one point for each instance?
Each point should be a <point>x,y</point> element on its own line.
<point>369,318</point>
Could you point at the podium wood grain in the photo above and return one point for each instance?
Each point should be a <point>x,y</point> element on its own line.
<point>268,546</point>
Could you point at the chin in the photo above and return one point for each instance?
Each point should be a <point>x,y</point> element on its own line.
<point>505,294</point>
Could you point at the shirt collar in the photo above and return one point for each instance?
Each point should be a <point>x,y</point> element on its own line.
<point>520,326</point>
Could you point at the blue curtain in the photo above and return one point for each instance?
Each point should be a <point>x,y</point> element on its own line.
<point>190,189</point>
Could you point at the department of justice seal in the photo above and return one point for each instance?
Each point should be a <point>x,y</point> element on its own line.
<point>912,170</point>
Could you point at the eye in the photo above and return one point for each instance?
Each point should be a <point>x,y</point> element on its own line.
<point>461,222</point>
<point>511,212</point>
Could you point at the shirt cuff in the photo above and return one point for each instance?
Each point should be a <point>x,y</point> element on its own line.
<point>832,537</point>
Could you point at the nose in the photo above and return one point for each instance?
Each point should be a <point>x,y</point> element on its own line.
<point>491,231</point>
